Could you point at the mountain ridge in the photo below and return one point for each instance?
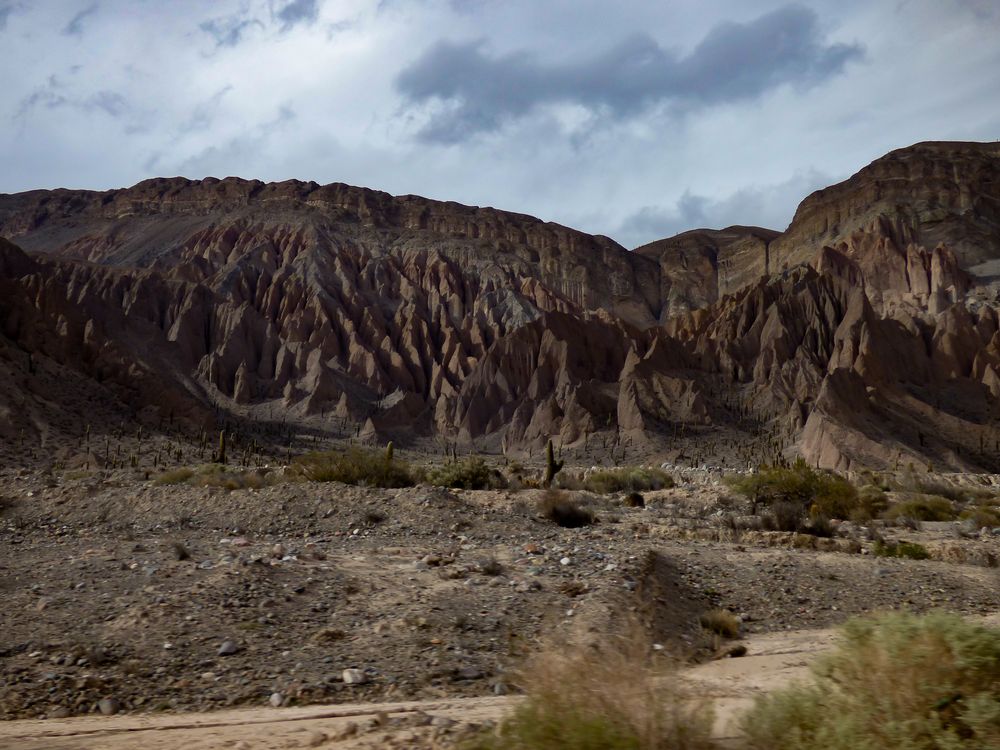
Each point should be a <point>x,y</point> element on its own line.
<point>355,313</point>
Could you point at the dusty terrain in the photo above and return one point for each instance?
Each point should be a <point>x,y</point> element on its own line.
<point>124,597</point>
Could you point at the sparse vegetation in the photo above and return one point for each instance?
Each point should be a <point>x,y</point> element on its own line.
<point>634,500</point>
<point>627,479</point>
<point>721,622</point>
<point>469,474</point>
<point>595,700</point>
<point>216,475</point>
<point>909,550</point>
<point>872,503</point>
<point>175,476</point>
<point>560,508</point>
<point>982,516</point>
<point>896,681</point>
<point>922,508</point>
<point>355,466</point>
<point>552,465</point>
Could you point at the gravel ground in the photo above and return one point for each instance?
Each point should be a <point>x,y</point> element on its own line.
<point>125,596</point>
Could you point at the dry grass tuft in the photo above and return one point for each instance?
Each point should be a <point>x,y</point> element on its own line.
<point>216,475</point>
<point>627,479</point>
<point>721,622</point>
<point>607,699</point>
<point>560,508</point>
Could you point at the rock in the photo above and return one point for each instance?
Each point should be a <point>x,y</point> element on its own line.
<point>354,677</point>
<point>276,699</point>
<point>109,706</point>
<point>228,648</point>
<point>317,738</point>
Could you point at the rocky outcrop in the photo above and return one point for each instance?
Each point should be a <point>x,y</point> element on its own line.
<point>865,335</point>
<point>699,267</point>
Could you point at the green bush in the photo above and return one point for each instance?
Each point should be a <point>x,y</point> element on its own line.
<point>896,681</point>
<point>910,550</point>
<point>628,479</point>
<point>922,508</point>
<point>469,474</point>
<point>814,492</point>
<point>355,466</point>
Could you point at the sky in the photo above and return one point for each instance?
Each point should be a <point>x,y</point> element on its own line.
<point>634,119</point>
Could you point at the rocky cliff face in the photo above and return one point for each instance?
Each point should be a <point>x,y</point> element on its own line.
<point>866,334</point>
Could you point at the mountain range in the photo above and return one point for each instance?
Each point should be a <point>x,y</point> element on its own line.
<point>863,336</point>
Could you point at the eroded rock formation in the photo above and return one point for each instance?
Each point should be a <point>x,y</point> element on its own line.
<point>864,335</point>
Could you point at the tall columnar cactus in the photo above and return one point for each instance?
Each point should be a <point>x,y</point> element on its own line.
<point>388,452</point>
<point>552,466</point>
<point>221,458</point>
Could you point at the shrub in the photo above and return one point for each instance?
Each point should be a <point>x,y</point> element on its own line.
<point>721,622</point>
<point>922,508</point>
<point>634,500</point>
<point>784,516</point>
<point>630,479</point>
<point>819,493</point>
<point>355,466</point>
<point>982,516</point>
<point>595,700</point>
<point>175,476</point>
<point>561,509</point>
<point>215,475</point>
<point>895,681</point>
<point>910,550</point>
<point>872,503</point>
<point>469,474</point>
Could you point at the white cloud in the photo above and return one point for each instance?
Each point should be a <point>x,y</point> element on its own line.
<point>273,89</point>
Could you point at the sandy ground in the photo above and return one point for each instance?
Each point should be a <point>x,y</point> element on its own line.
<point>116,588</point>
<point>731,684</point>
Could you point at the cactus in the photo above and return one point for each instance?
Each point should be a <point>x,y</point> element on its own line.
<point>552,466</point>
<point>221,457</point>
<point>388,452</point>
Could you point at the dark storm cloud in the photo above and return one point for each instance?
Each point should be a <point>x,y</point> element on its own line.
<point>734,61</point>
<point>75,26</point>
<point>298,11</point>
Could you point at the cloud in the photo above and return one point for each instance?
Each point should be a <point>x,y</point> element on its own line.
<point>5,10</point>
<point>228,31</point>
<point>296,12</point>
<point>764,205</point>
<point>54,94</point>
<point>75,26</point>
<point>204,112</point>
<point>476,93</point>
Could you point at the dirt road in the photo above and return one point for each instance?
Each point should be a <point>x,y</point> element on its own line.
<point>773,660</point>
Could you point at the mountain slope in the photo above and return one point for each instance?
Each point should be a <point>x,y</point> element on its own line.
<point>864,335</point>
